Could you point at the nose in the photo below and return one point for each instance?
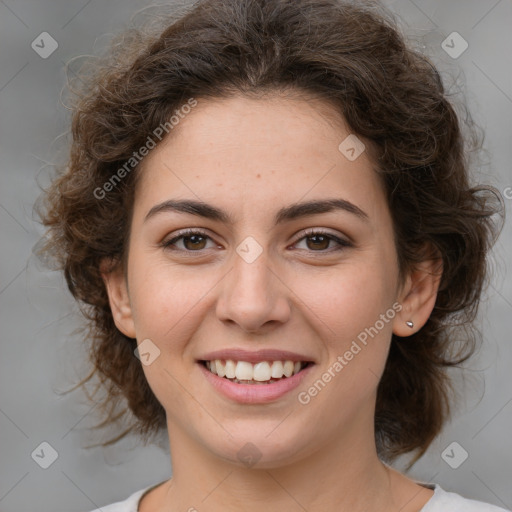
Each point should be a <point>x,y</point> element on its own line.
<point>253,297</point>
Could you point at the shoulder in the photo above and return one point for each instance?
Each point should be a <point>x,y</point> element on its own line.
<point>444,501</point>
<point>130,504</point>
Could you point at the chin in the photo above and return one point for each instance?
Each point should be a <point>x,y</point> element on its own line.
<point>262,448</point>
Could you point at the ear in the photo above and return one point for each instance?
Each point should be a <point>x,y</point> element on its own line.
<point>418,295</point>
<point>117,290</point>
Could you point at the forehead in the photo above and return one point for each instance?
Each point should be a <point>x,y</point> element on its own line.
<point>277,149</point>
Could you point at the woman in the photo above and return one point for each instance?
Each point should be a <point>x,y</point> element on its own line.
<point>268,215</point>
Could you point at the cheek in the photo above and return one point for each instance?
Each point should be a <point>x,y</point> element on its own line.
<point>352,312</point>
<point>168,306</point>
<point>168,301</point>
<point>356,340</point>
<point>349,300</point>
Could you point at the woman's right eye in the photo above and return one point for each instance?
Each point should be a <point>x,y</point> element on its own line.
<point>191,241</point>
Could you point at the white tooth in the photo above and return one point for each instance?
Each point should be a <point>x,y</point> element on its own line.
<point>212,366</point>
<point>288,368</point>
<point>219,366</point>
<point>243,371</point>
<point>277,370</point>
<point>296,367</point>
<point>261,371</point>
<point>230,369</point>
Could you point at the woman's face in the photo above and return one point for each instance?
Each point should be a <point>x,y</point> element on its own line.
<point>264,280</point>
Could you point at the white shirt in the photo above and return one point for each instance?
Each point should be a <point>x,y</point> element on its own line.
<point>441,501</point>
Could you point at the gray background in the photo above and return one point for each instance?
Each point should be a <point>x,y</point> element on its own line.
<point>40,358</point>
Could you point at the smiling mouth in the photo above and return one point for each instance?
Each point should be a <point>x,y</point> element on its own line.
<point>264,372</point>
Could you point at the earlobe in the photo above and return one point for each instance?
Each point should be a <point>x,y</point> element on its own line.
<point>117,290</point>
<point>418,297</point>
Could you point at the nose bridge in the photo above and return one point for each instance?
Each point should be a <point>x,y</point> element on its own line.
<point>251,293</point>
<point>252,278</point>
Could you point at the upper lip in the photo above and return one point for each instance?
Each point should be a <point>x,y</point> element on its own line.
<point>239,354</point>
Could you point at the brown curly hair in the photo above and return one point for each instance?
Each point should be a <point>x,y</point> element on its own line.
<point>353,57</point>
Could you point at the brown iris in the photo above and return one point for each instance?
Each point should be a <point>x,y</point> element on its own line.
<point>196,242</point>
<point>320,242</point>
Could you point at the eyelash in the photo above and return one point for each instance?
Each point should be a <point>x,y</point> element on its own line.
<point>342,244</point>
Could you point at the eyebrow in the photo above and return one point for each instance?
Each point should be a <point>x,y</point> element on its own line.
<point>288,213</point>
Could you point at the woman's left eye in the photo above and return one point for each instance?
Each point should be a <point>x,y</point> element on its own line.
<point>315,241</point>
<point>320,241</point>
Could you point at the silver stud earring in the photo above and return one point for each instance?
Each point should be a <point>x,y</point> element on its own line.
<point>409,324</point>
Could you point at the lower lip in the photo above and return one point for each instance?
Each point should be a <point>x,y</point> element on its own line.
<point>254,393</point>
